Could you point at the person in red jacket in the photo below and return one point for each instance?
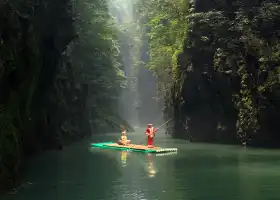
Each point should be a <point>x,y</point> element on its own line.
<point>150,132</point>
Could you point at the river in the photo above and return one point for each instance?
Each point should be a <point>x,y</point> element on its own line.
<point>196,172</point>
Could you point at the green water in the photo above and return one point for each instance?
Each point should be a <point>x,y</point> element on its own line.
<point>196,172</point>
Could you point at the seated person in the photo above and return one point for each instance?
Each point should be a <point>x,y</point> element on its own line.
<point>123,140</point>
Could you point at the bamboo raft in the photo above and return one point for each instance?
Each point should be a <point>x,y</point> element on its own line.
<point>167,153</point>
<point>133,147</point>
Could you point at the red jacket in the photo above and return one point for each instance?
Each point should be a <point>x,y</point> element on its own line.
<point>150,131</point>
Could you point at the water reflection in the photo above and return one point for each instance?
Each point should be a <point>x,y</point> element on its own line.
<point>152,170</point>
<point>124,155</point>
<point>212,172</point>
<point>145,160</point>
<point>151,167</point>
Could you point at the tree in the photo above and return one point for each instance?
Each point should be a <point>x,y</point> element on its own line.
<point>96,56</point>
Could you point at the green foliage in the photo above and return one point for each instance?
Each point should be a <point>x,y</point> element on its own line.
<point>161,31</point>
<point>96,57</point>
<point>167,29</point>
<point>250,54</point>
<point>48,95</point>
<point>244,49</point>
<point>229,68</point>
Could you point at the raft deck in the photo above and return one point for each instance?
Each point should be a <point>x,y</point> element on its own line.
<point>133,147</point>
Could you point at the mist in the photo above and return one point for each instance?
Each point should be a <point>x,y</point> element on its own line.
<point>138,103</point>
